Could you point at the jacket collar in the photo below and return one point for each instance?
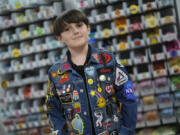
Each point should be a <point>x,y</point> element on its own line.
<point>65,65</point>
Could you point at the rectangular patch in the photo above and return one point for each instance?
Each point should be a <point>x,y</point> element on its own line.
<point>66,99</point>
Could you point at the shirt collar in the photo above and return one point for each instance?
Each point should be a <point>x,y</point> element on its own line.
<point>92,57</point>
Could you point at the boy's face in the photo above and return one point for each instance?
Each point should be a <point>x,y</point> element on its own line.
<point>75,35</point>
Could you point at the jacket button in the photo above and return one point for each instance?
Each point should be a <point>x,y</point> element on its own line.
<point>85,113</point>
<point>81,90</point>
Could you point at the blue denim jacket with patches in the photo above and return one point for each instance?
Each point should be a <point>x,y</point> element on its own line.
<point>104,103</point>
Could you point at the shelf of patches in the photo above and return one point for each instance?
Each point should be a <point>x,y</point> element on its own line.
<point>160,106</point>
<point>110,15</point>
<point>155,86</point>
<point>28,23</point>
<point>25,126</point>
<point>25,111</point>
<point>14,52</point>
<point>19,7</point>
<point>156,123</point>
<point>108,33</point>
<point>26,39</point>
<point>8,84</point>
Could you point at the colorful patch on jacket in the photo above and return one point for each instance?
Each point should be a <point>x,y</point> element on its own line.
<point>64,78</point>
<point>95,56</point>
<point>128,91</point>
<point>49,88</point>
<point>104,58</point>
<point>78,124</point>
<point>90,71</point>
<point>121,77</point>
<point>66,99</point>
<point>55,132</point>
<point>66,66</point>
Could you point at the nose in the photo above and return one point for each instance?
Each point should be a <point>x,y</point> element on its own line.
<point>75,30</point>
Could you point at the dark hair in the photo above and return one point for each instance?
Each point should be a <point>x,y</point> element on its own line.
<point>70,16</point>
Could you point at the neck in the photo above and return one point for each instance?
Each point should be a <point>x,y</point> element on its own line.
<point>78,55</point>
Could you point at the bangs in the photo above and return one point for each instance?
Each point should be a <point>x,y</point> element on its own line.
<point>72,16</point>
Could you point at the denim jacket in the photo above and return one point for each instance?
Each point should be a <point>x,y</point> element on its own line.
<point>104,103</point>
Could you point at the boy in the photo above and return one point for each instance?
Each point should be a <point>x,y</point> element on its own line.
<point>87,86</point>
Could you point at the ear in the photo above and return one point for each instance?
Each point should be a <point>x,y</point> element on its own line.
<point>59,38</point>
<point>89,29</point>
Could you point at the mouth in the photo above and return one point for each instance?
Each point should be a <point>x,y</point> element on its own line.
<point>75,38</point>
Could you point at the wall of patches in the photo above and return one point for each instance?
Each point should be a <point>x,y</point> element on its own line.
<point>143,35</point>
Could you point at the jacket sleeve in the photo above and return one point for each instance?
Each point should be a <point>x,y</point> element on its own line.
<point>55,111</point>
<point>123,86</point>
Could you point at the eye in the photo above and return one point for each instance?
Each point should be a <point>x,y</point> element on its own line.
<point>66,29</point>
<point>79,25</point>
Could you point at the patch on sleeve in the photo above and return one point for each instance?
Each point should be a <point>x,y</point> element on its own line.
<point>121,77</point>
<point>55,132</point>
<point>129,91</point>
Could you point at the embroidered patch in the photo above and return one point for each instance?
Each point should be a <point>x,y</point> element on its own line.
<point>121,77</point>
<point>77,106</point>
<point>104,58</point>
<point>109,88</point>
<point>75,95</point>
<point>105,70</point>
<point>55,132</point>
<point>104,133</point>
<point>53,74</point>
<point>107,124</point>
<point>64,78</point>
<point>90,71</point>
<point>95,56</point>
<point>66,99</point>
<point>99,116</point>
<point>66,66</point>
<point>78,124</point>
<point>128,91</point>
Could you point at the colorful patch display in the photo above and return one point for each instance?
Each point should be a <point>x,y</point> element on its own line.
<point>121,77</point>
<point>78,124</point>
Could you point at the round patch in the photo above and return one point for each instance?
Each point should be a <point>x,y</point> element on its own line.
<point>99,89</point>
<point>16,52</point>
<point>102,78</point>
<point>53,74</point>
<point>133,9</point>
<point>101,102</point>
<point>4,84</point>
<point>151,21</point>
<point>90,81</point>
